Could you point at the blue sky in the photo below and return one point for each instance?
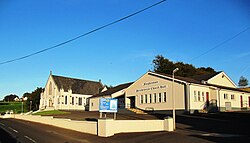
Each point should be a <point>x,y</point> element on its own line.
<point>179,30</point>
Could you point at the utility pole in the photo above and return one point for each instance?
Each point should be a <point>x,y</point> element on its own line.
<point>30,104</point>
<point>173,97</point>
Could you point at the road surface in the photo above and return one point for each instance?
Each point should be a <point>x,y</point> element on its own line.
<point>29,132</point>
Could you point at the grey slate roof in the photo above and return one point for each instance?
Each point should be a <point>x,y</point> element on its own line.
<point>113,90</point>
<point>198,80</point>
<point>204,77</point>
<point>78,86</point>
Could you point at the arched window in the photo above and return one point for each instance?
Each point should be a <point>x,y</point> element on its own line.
<point>50,88</point>
<point>66,100</point>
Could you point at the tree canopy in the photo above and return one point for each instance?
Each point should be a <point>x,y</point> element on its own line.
<point>33,99</point>
<point>164,65</point>
<point>10,98</point>
<point>243,81</point>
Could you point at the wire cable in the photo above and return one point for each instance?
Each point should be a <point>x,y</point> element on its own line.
<point>80,36</point>
<point>220,44</point>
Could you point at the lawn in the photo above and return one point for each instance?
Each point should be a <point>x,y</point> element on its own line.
<point>14,106</point>
<point>51,112</point>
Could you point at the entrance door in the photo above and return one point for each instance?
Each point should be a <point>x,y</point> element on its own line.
<point>228,106</point>
<point>207,96</point>
<point>50,103</point>
<point>132,102</point>
<point>249,101</point>
<point>241,101</point>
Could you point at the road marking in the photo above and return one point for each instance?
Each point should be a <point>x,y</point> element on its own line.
<point>219,135</point>
<point>13,130</point>
<point>2,124</point>
<point>30,139</point>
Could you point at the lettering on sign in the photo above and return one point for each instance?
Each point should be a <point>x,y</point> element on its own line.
<point>150,83</point>
<point>151,88</point>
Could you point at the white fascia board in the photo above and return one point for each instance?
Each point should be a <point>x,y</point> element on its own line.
<point>225,76</point>
<point>170,78</point>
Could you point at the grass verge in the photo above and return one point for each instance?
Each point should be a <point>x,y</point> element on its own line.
<point>14,106</point>
<point>51,112</point>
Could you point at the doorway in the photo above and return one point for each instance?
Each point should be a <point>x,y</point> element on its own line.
<point>50,103</point>
<point>132,102</point>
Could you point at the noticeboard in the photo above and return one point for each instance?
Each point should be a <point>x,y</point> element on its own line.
<point>108,105</point>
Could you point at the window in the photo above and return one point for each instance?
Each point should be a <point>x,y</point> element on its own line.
<point>225,96</point>
<point>155,99</point>
<point>203,97</point>
<point>92,104</point>
<point>146,98</point>
<point>141,99</point>
<point>50,88</point>
<point>199,96</point>
<point>232,97</point>
<point>72,100</point>
<point>150,98</point>
<point>195,96</point>
<point>58,100</point>
<point>165,97</point>
<point>66,102</point>
<point>80,101</point>
<point>159,97</point>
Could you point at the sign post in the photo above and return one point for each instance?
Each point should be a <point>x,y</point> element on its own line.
<point>108,105</point>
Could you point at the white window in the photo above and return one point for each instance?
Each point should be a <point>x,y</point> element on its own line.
<point>232,97</point>
<point>225,96</point>
<point>164,97</point>
<point>159,97</point>
<point>80,101</point>
<point>66,100</point>
<point>203,96</point>
<point>155,98</point>
<point>195,96</point>
<point>199,96</point>
<point>150,98</point>
<point>72,100</point>
<point>141,99</point>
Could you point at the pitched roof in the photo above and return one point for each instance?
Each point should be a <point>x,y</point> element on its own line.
<point>78,86</point>
<point>245,89</point>
<point>229,88</point>
<point>190,80</point>
<point>204,77</point>
<point>113,89</point>
<point>186,79</point>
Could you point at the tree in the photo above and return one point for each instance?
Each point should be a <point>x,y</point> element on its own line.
<point>33,99</point>
<point>10,98</point>
<point>164,65</point>
<point>243,81</point>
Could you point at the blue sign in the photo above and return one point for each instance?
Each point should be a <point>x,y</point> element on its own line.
<point>108,105</point>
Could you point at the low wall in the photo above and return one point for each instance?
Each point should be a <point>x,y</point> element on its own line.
<point>104,127</point>
<point>127,126</point>
<point>109,127</point>
<point>80,126</point>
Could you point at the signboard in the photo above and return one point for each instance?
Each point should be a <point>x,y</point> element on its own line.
<point>108,105</point>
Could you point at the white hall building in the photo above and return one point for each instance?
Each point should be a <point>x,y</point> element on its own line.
<point>154,92</point>
<point>66,93</point>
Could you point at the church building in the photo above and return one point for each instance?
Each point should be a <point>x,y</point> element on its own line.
<point>66,93</point>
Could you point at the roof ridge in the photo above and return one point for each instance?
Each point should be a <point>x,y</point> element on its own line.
<point>75,78</point>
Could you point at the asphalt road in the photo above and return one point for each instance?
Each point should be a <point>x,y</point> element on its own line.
<point>12,131</point>
<point>29,132</point>
<point>205,128</point>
